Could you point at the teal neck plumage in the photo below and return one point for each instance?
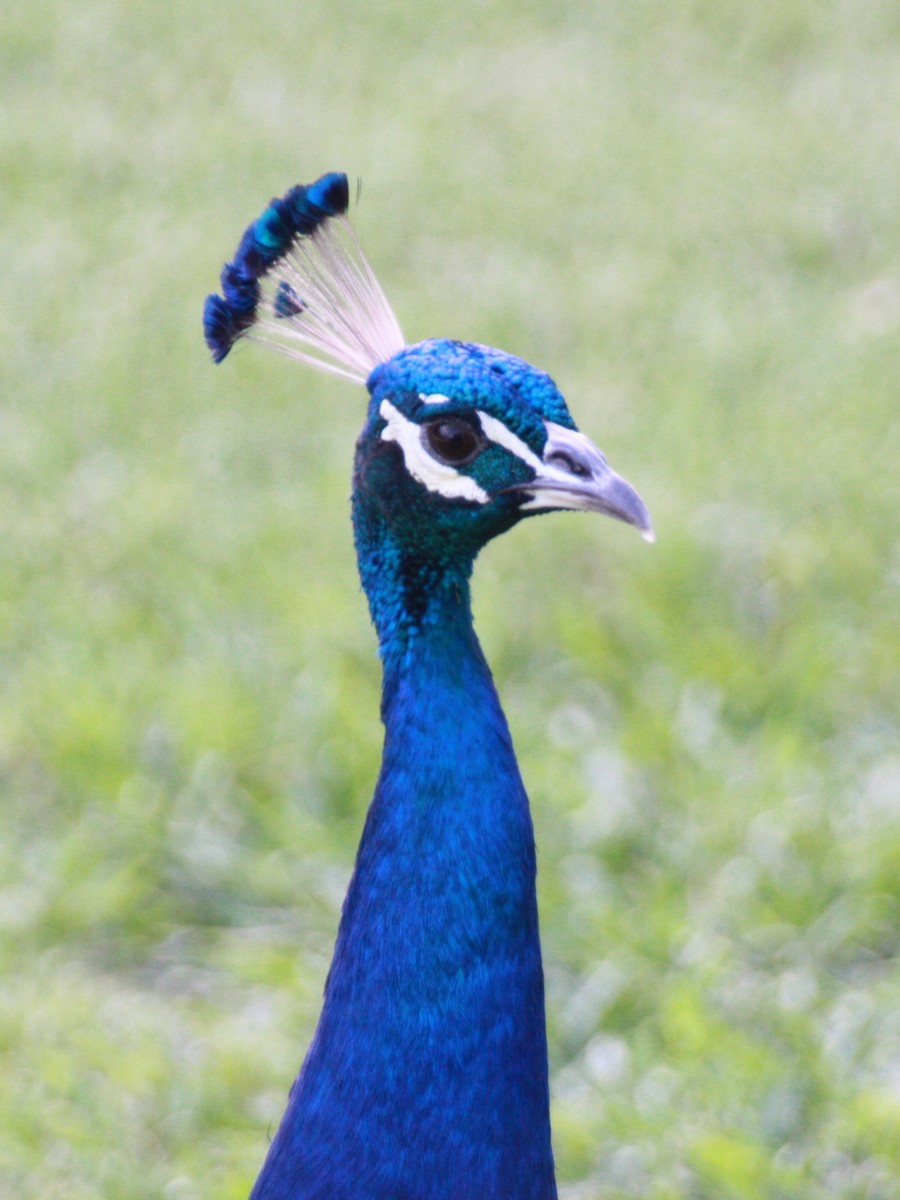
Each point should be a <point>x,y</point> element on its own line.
<point>429,1063</point>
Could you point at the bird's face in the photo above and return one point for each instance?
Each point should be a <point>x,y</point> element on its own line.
<point>462,441</point>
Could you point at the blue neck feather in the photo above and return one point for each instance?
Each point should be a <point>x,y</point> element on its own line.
<point>427,1076</point>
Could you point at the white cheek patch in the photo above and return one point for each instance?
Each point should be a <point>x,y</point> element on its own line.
<point>436,476</point>
<point>548,498</point>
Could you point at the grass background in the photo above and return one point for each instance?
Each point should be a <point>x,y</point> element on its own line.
<point>687,213</point>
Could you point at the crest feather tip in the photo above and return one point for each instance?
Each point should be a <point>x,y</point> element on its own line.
<point>221,326</point>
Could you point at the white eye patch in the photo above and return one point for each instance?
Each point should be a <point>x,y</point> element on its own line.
<point>441,477</point>
<point>436,476</point>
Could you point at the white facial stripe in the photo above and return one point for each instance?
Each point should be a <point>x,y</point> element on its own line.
<point>436,476</point>
<point>499,433</point>
<point>433,398</point>
<point>496,431</point>
<point>548,498</point>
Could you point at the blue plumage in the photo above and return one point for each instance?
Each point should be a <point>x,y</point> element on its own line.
<point>265,242</point>
<point>287,303</point>
<point>427,1075</point>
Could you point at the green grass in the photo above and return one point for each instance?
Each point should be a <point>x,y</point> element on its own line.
<point>687,214</point>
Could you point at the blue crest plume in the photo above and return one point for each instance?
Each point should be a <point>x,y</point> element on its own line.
<point>300,282</point>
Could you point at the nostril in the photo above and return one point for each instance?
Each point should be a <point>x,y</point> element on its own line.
<point>566,461</point>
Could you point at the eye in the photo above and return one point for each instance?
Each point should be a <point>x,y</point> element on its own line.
<point>452,441</point>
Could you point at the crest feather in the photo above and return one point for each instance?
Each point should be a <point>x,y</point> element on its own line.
<point>300,283</point>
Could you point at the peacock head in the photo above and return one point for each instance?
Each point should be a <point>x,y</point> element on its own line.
<point>464,440</point>
<point>461,440</point>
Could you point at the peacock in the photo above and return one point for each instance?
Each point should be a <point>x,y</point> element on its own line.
<point>427,1074</point>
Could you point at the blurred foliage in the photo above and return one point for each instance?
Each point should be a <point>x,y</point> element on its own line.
<point>686,213</point>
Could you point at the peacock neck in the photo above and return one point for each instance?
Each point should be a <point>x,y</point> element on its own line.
<point>418,604</point>
<point>427,1076</point>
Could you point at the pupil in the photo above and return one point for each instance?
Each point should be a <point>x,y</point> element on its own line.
<point>452,437</point>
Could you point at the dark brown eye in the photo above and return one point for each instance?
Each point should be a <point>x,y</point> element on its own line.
<point>453,442</point>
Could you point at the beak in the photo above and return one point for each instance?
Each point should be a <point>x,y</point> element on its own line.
<point>574,474</point>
